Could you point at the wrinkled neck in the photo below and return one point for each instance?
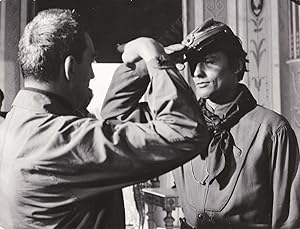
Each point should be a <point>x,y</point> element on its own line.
<point>57,88</point>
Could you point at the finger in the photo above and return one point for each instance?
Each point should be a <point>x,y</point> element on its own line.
<point>174,48</point>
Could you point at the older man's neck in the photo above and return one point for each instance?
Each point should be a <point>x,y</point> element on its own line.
<point>53,87</point>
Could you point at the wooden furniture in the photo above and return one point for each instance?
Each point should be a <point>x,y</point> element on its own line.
<point>166,198</point>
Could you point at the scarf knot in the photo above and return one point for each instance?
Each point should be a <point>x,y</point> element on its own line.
<point>219,130</point>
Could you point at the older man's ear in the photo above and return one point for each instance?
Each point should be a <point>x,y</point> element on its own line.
<point>69,67</point>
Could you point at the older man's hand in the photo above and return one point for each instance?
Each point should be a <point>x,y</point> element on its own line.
<point>142,48</point>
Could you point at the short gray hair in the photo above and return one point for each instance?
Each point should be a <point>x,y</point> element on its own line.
<point>47,40</point>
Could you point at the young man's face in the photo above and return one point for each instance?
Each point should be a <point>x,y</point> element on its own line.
<point>214,78</point>
<point>84,73</point>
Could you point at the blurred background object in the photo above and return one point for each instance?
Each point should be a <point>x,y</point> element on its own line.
<point>119,21</point>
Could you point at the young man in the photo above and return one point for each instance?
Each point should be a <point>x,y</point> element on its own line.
<point>61,170</point>
<point>249,175</point>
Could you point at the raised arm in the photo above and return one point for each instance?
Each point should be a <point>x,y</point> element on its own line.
<point>177,122</point>
<point>107,156</point>
<point>122,100</point>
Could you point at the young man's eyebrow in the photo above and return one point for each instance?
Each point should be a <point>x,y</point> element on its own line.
<point>212,55</point>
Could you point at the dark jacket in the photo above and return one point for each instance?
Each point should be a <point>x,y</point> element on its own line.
<point>58,170</point>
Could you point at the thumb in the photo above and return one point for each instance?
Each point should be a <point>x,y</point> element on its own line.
<point>128,57</point>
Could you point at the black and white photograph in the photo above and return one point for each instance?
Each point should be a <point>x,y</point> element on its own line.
<point>149,114</point>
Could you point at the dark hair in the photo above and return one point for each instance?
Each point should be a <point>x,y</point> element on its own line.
<point>47,40</point>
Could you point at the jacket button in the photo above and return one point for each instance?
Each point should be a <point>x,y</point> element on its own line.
<point>201,217</point>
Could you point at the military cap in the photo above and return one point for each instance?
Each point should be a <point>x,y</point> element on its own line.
<point>207,33</point>
<point>211,33</point>
<point>211,36</point>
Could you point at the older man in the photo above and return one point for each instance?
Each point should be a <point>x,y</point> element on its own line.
<point>61,170</point>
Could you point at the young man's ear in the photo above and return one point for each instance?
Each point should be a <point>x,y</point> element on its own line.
<point>238,66</point>
<point>69,67</point>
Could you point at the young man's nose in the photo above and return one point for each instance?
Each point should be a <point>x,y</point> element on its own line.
<point>199,71</point>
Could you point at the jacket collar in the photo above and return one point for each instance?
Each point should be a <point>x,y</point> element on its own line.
<point>243,98</point>
<point>43,102</point>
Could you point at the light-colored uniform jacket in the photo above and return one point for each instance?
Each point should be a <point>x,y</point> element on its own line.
<point>262,188</point>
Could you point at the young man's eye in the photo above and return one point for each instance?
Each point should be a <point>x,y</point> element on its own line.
<point>208,61</point>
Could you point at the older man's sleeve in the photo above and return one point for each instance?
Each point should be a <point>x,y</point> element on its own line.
<point>175,134</point>
<point>122,100</point>
<point>89,156</point>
